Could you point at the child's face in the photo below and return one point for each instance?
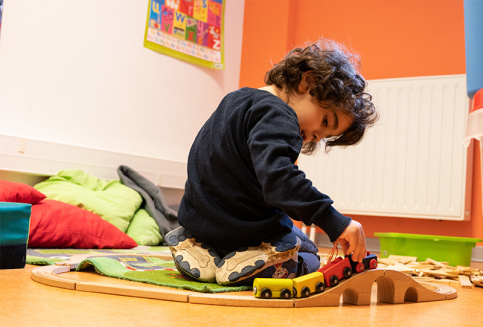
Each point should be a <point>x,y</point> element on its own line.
<point>317,122</point>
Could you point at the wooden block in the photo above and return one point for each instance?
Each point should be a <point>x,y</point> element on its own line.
<point>386,261</point>
<point>439,273</point>
<point>400,267</point>
<point>419,265</point>
<point>403,259</point>
<point>437,263</point>
<point>448,282</point>
<point>477,280</point>
<point>463,270</point>
<point>465,281</point>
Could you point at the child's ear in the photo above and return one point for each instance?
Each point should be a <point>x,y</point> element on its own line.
<point>307,82</point>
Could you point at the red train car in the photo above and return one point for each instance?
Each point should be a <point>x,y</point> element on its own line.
<point>336,270</point>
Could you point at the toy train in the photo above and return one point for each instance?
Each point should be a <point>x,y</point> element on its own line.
<point>316,282</point>
<point>340,268</point>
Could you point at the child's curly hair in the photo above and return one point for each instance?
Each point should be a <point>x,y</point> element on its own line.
<point>333,79</point>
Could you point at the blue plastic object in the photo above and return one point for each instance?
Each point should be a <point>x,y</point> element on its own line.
<point>14,233</point>
<point>473,11</point>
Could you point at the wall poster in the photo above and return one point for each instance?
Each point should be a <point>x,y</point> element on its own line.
<point>190,30</point>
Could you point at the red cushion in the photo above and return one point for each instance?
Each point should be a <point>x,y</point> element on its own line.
<point>55,224</point>
<point>19,192</point>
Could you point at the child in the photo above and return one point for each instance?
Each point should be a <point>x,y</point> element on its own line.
<point>243,186</point>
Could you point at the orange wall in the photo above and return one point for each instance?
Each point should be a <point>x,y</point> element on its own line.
<point>395,38</point>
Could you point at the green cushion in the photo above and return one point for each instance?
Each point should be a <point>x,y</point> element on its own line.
<point>113,201</point>
<point>143,229</point>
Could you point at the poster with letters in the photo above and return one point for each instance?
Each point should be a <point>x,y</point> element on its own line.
<point>190,30</point>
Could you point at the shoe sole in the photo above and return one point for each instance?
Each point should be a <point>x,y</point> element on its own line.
<point>255,259</point>
<point>191,258</point>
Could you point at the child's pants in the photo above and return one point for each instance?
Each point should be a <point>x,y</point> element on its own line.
<point>309,261</point>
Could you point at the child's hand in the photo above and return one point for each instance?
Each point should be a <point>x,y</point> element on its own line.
<point>352,240</point>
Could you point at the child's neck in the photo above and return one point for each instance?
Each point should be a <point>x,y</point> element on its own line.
<point>276,91</point>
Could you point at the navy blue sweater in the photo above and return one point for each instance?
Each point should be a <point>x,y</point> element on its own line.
<point>243,184</point>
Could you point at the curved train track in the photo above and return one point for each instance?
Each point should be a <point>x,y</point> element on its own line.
<point>392,287</point>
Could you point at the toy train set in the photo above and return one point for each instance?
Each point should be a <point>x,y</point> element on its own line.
<point>316,282</point>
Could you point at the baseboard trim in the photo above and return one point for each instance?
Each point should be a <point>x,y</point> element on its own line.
<point>42,158</point>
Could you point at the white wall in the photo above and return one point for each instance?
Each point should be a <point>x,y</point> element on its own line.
<point>77,73</point>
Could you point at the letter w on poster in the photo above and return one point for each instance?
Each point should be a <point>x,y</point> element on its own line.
<point>190,30</point>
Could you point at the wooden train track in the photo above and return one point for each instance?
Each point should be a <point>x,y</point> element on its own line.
<point>392,287</point>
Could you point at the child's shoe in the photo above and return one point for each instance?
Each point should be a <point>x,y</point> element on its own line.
<point>240,266</point>
<point>193,259</point>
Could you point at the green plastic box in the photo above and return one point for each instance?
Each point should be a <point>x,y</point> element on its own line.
<point>455,250</point>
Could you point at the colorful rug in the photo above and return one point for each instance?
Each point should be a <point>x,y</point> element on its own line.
<point>137,264</point>
<point>150,270</point>
<point>46,257</point>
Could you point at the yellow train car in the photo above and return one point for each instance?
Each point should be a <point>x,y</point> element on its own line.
<point>306,285</point>
<point>302,286</point>
<point>267,288</point>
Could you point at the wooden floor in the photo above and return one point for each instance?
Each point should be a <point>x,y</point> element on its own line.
<point>24,302</point>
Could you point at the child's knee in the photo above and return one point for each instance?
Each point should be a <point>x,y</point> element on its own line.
<point>307,263</point>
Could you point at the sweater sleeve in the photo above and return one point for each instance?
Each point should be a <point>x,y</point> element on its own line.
<point>275,143</point>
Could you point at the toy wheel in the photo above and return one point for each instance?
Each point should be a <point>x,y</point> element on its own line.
<point>334,280</point>
<point>305,292</point>
<point>347,272</point>
<point>320,287</point>
<point>360,267</point>
<point>266,293</point>
<point>373,264</point>
<point>294,291</point>
<point>285,294</point>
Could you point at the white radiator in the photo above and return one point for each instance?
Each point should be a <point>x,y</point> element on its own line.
<point>412,163</point>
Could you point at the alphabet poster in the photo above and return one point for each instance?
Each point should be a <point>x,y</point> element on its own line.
<point>190,30</point>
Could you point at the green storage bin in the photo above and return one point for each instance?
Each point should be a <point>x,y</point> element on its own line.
<point>455,250</point>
